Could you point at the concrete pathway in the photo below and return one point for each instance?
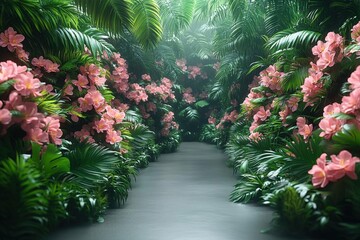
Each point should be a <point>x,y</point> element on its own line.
<point>182,196</point>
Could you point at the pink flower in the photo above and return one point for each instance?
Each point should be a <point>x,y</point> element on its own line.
<point>211,120</point>
<point>103,125</point>
<point>84,135</point>
<point>81,83</point>
<point>326,60</point>
<point>319,172</point>
<point>39,62</point>
<point>9,70</point>
<point>146,77</point>
<point>5,115</point>
<point>305,130</point>
<point>85,104</point>
<point>354,79</point>
<point>113,137</point>
<point>319,48</point>
<point>27,85</point>
<point>52,127</point>
<point>284,113</point>
<point>293,103</point>
<point>262,114</point>
<point>51,66</point>
<point>11,39</point>
<point>37,135</point>
<point>355,32</point>
<point>330,126</point>
<point>22,54</point>
<point>351,103</point>
<point>341,165</point>
<point>255,136</point>
<point>331,109</point>
<point>68,91</point>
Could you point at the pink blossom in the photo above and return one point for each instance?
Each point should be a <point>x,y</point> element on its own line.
<point>103,125</point>
<point>255,136</point>
<point>9,70</point>
<point>354,79</point>
<point>284,113</point>
<point>293,103</point>
<point>11,39</point>
<point>330,126</point>
<point>327,59</point>
<point>341,165</point>
<point>113,137</point>
<point>37,135</point>
<point>85,104</point>
<point>319,48</point>
<point>349,104</point>
<point>262,114</point>
<point>151,107</point>
<point>331,109</point>
<point>146,77</point>
<point>27,85</point>
<point>51,66</point>
<point>168,117</point>
<point>81,83</point>
<point>39,62</point>
<point>355,32</point>
<point>52,127</point>
<point>68,91</point>
<point>319,172</point>
<point>305,130</point>
<point>84,135</point>
<point>211,120</point>
<point>22,54</point>
<point>5,115</point>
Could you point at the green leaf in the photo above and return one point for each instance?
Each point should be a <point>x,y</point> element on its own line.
<point>201,104</point>
<point>5,86</point>
<point>348,138</point>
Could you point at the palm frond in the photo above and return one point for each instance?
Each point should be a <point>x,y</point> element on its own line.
<point>90,163</point>
<point>110,15</point>
<point>146,25</point>
<point>291,38</point>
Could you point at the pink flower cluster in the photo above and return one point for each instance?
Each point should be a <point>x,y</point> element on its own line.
<point>349,105</point>
<point>331,171</point>
<point>194,71</point>
<point>168,124</point>
<point>271,78</point>
<point>12,41</point>
<point>228,117</point>
<point>38,127</point>
<point>120,75</point>
<point>181,63</point>
<point>328,54</point>
<point>47,64</point>
<point>137,93</point>
<point>188,97</point>
<point>164,90</point>
<point>355,32</point>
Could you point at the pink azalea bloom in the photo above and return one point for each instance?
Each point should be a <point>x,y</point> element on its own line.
<point>354,79</point>
<point>22,54</point>
<point>343,164</point>
<point>331,109</point>
<point>113,137</point>
<point>168,117</point>
<point>68,91</point>
<point>51,66</point>
<point>253,126</point>
<point>39,62</point>
<point>103,125</point>
<point>81,83</point>
<point>85,104</point>
<point>350,104</point>
<point>333,40</point>
<point>5,116</point>
<point>330,126</point>
<point>255,136</point>
<point>27,85</point>
<point>11,39</point>
<point>37,135</point>
<point>319,48</point>
<point>305,130</point>
<point>355,32</point>
<point>284,113</point>
<point>319,172</point>
<point>327,59</point>
<point>262,114</point>
<point>97,98</point>
<point>146,77</point>
<point>84,135</point>
<point>9,70</point>
<point>211,120</point>
<point>52,127</point>
<point>293,103</point>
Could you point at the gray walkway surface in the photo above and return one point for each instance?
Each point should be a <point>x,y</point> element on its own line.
<point>182,196</point>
